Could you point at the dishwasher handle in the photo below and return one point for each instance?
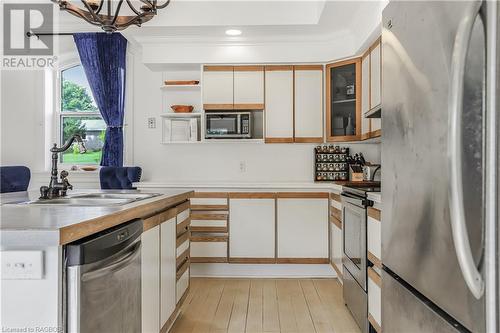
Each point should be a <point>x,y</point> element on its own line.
<point>104,244</point>
<point>115,265</point>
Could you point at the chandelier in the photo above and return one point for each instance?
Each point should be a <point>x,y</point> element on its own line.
<point>106,13</point>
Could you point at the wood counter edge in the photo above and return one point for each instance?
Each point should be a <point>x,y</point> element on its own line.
<point>83,229</point>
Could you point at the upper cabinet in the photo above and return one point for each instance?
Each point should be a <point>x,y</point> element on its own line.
<point>249,87</point>
<point>218,87</point>
<point>279,104</point>
<point>371,91</point>
<point>308,91</point>
<point>343,88</point>
<point>233,87</point>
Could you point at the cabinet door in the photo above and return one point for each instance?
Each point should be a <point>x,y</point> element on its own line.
<point>217,87</point>
<point>336,241</point>
<point>168,269</point>
<point>365,96</point>
<point>309,103</point>
<point>249,87</point>
<point>279,104</point>
<point>150,280</point>
<point>344,100</point>
<point>375,76</point>
<point>302,228</point>
<point>252,228</point>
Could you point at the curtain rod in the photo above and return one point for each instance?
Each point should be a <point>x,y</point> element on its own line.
<point>37,35</point>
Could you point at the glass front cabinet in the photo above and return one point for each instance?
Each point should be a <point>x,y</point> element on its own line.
<point>343,108</point>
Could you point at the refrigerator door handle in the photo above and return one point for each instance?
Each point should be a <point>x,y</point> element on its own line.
<point>471,274</point>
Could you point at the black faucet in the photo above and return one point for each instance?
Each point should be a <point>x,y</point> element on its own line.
<point>58,188</point>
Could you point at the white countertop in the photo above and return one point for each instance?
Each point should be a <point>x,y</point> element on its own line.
<point>42,223</point>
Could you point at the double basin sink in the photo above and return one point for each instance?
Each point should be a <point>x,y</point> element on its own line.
<point>94,199</point>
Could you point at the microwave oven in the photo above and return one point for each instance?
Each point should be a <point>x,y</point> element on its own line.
<point>228,125</point>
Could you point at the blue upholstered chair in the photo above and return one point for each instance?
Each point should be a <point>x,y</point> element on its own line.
<point>14,178</point>
<point>119,178</point>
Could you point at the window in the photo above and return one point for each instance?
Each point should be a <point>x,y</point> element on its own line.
<point>79,115</point>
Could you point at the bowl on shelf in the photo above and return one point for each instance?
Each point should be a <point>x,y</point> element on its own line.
<point>89,168</point>
<point>182,108</point>
<point>182,83</point>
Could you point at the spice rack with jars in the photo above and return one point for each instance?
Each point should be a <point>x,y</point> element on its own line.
<point>330,163</point>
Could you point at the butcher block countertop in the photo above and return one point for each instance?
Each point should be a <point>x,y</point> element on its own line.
<point>48,225</point>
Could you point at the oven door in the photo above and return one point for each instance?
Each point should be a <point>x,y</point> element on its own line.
<point>223,125</point>
<point>354,230</point>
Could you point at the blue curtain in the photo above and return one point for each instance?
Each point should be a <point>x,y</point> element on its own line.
<point>103,58</point>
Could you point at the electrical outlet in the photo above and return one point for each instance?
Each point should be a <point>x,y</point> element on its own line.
<point>152,122</point>
<point>21,265</point>
<point>243,166</point>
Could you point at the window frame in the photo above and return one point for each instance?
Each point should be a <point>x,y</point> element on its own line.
<point>60,114</point>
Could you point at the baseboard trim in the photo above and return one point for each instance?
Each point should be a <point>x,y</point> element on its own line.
<point>227,270</point>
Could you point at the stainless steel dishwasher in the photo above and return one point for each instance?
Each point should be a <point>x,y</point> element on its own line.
<point>103,281</point>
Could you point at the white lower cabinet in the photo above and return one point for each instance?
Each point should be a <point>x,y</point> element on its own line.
<point>211,249</point>
<point>336,245</point>
<point>168,269</point>
<point>302,227</point>
<point>182,285</point>
<point>252,231</point>
<point>375,301</point>
<point>150,282</point>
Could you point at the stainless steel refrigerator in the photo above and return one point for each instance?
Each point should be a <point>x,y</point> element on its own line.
<point>440,156</point>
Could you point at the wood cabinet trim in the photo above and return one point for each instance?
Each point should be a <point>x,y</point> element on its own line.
<point>336,197</point>
<point>181,239</point>
<point>182,258</point>
<point>238,260</point>
<point>208,260</point>
<point>337,213</point>
<point>209,229</point>
<point>374,323</point>
<point>376,133</point>
<point>241,106</point>
<point>168,215</point>
<point>249,68</point>
<point>217,68</point>
<point>210,195</point>
<point>336,221</point>
<point>182,207</point>
<point>201,216</point>
<point>182,270</point>
<point>183,227</point>
<point>302,260</point>
<point>210,238</point>
<point>150,222</point>
<point>302,195</point>
<point>308,140</point>
<point>346,138</point>
<point>252,195</point>
<point>308,67</point>
<point>209,207</point>
<point>374,260</point>
<point>374,213</point>
<point>374,277</point>
<point>278,140</point>
<point>283,68</point>
<point>218,106</point>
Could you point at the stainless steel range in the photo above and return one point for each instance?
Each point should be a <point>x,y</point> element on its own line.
<point>354,254</point>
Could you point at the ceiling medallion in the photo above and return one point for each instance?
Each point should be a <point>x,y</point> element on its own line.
<point>106,13</point>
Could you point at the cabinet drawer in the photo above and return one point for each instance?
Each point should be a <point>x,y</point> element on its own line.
<point>182,226</point>
<point>181,216</point>
<point>208,201</point>
<point>182,248</point>
<point>209,223</point>
<point>182,285</point>
<point>374,237</point>
<point>209,249</point>
<point>374,298</point>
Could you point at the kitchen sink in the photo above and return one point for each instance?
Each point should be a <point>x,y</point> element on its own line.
<point>93,199</point>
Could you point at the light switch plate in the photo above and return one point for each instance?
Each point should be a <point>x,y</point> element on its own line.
<point>21,265</point>
<point>152,122</point>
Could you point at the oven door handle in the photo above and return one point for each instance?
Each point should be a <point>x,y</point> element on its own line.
<point>353,199</point>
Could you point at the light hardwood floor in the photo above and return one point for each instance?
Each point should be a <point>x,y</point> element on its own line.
<point>264,305</point>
